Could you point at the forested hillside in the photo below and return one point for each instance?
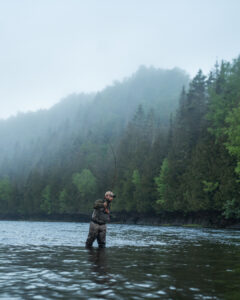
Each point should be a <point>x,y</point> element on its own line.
<point>161,143</point>
<point>58,161</point>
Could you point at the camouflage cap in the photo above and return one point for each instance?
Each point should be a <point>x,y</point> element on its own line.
<point>109,193</point>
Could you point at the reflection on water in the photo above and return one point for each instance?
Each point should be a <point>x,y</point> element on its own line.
<point>48,261</point>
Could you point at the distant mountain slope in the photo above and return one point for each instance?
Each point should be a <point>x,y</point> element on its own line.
<point>36,138</point>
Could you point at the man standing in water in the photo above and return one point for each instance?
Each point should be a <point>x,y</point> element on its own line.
<point>100,216</point>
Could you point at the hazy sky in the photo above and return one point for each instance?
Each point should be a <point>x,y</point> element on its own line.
<point>51,48</point>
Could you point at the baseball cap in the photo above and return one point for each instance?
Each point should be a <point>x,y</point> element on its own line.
<point>110,193</point>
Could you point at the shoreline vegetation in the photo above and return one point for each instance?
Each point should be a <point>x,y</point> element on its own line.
<point>168,146</point>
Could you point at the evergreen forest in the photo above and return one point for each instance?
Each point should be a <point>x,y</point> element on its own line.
<point>164,143</point>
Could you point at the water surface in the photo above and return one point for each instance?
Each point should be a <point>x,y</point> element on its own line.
<point>46,260</point>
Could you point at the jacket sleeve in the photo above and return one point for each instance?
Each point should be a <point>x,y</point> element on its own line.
<point>98,204</point>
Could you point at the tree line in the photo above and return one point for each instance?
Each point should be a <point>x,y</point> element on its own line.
<point>201,169</point>
<point>162,143</point>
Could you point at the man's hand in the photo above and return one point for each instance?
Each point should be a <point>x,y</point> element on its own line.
<point>106,209</point>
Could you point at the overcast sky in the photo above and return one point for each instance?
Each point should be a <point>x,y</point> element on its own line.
<point>52,48</point>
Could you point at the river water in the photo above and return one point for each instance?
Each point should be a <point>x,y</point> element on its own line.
<point>47,260</point>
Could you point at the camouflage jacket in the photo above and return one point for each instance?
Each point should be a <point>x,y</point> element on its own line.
<point>100,215</point>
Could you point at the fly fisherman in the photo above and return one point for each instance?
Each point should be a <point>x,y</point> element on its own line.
<point>100,216</point>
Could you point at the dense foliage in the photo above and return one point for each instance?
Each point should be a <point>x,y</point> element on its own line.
<point>201,169</point>
<point>161,143</point>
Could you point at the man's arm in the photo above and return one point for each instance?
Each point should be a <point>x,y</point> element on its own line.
<point>99,204</point>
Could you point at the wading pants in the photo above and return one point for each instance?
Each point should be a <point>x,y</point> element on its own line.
<point>98,232</point>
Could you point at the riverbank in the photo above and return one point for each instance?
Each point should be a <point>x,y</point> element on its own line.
<point>210,219</point>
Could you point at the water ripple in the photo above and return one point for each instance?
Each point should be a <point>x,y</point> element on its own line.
<point>43,260</point>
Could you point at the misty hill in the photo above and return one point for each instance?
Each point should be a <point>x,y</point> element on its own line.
<point>34,138</point>
<point>58,160</point>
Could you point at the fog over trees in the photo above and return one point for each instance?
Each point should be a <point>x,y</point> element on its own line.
<point>175,142</point>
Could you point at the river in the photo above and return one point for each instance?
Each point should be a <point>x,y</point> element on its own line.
<point>47,260</point>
